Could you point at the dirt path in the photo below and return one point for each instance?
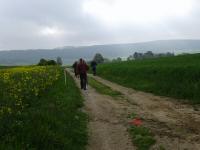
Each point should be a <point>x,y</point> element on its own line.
<point>107,130</point>
<point>175,125</point>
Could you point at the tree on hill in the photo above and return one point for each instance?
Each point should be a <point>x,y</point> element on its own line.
<point>137,55</point>
<point>51,62</point>
<point>106,60</point>
<point>148,54</point>
<point>118,59</point>
<point>59,61</point>
<point>98,58</point>
<point>44,62</point>
<point>131,57</point>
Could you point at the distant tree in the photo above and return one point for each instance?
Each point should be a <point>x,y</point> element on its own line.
<point>42,62</point>
<point>51,62</point>
<point>106,60</point>
<point>59,61</point>
<point>114,60</point>
<point>137,55</point>
<point>98,58</point>
<point>169,54</point>
<point>131,57</point>
<point>148,54</point>
<point>119,59</point>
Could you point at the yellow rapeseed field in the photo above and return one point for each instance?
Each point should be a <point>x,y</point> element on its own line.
<point>18,86</point>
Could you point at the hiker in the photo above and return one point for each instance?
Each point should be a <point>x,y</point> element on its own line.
<point>94,65</point>
<point>75,66</point>
<point>82,70</point>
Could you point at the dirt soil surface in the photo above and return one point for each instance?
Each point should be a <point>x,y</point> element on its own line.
<point>107,127</point>
<point>176,126</point>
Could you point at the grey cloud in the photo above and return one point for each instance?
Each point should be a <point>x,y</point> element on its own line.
<point>21,21</point>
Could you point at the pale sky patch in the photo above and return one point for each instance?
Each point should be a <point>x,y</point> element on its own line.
<point>51,31</point>
<point>122,12</point>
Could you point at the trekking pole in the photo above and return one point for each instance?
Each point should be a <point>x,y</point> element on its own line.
<point>65,76</point>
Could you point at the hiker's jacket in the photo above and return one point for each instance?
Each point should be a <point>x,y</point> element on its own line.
<point>75,66</point>
<point>93,64</point>
<point>82,68</point>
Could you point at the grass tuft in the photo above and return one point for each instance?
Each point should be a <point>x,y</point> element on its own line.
<point>142,137</point>
<point>103,89</point>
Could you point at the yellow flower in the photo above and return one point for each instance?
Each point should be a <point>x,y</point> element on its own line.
<point>6,76</point>
<point>31,80</point>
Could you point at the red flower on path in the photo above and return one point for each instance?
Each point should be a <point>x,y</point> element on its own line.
<point>136,122</point>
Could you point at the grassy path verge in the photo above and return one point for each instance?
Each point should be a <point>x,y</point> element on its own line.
<point>53,121</point>
<point>103,89</point>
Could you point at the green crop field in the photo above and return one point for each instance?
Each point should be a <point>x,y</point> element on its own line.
<point>5,67</point>
<point>38,111</point>
<point>177,77</point>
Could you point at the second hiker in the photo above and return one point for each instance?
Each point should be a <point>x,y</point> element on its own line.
<point>82,70</point>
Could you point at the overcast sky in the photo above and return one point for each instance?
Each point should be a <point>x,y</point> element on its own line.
<point>30,24</point>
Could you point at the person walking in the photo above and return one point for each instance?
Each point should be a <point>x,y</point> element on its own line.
<point>82,70</point>
<point>75,66</point>
<point>94,65</point>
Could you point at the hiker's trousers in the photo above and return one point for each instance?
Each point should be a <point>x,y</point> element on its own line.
<point>83,82</point>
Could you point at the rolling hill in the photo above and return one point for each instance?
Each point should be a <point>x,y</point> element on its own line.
<point>70,53</point>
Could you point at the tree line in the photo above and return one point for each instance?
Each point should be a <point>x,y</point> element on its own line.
<point>45,62</point>
<point>135,56</point>
<point>98,58</point>
<point>148,54</point>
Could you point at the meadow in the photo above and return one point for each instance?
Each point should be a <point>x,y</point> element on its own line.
<point>6,67</point>
<point>177,77</point>
<point>38,111</point>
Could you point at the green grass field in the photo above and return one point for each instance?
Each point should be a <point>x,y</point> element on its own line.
<point>177,77</point>
<point>51,120</point>
<point>5,67</point>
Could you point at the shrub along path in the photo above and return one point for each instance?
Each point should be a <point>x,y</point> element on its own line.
<point>175,125</point>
